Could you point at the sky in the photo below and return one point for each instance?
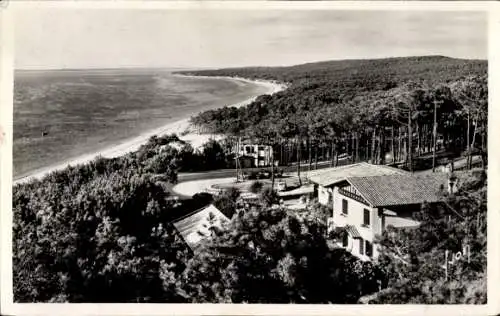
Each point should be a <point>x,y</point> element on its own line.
<point>115,38</point>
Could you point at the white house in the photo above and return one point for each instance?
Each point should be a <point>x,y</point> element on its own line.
<point>365,205</point>
<point>262,154</point>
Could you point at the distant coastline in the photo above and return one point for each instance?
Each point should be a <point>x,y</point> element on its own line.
<point>180,127</point>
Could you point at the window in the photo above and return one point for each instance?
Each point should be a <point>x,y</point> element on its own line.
<point>361,246</point>
<point>366,217</point>
<point>344,207</point>
<point>368,248</point>
<point>345,239</point>
<point>261,147</point>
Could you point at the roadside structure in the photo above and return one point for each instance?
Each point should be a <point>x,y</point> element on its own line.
<point>262,154</point>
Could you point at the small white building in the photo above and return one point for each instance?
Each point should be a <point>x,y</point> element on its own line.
<point>262,154</point>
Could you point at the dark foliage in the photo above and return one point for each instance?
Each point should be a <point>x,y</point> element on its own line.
<point>413,259</point>
<point>269,197</point>
<point>101,232</point>
<point>100,240</point>
<point>226,202</point>
<point>356,106</point>
<point>270,256</point>
<point>256,187</point>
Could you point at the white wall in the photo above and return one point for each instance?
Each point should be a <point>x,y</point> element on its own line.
<point>323,195</point>
<point>355,218</point>
<point>353,248</point>
<point>402,217</point>
<point>266,154</point>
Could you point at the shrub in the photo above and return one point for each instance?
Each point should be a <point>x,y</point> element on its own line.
<point>202,198</point>
<point>256,187</point>
<point>269,197</point>
<point>226,202</point>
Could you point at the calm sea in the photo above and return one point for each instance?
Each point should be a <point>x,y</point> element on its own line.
<point>59,115</point>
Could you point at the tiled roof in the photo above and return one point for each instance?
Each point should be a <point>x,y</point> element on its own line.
<point>401,189</point>
<point>330,176</point>
<point>195,226</point>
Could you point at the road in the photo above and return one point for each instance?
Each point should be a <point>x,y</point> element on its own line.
<point>226,173</point>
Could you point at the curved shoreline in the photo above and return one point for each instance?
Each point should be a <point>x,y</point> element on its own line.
<point>179,127</point>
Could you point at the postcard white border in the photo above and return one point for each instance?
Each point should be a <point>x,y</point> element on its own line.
<point>6,96</point>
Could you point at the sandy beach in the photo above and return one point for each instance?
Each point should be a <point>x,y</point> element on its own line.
<point>180,127</point>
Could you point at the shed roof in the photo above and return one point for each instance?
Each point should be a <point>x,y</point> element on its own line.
<point>400,189</point>
<point>196,226</point>
<point>303,190</point>
<point>351,230</point>
<point>401,222</point>
<point>330,176</point>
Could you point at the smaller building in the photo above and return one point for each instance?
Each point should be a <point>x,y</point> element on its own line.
<point>197,226</point>
<point>262,154</point>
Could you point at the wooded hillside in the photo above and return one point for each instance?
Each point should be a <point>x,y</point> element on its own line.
<point>367,108</point>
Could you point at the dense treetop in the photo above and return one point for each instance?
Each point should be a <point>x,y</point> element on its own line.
<point>413,259</point>
<point>354,105</point>
<point>102,232</point>
<point>368,74</point>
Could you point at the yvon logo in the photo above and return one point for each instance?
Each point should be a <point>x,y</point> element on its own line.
<point>450,258</point>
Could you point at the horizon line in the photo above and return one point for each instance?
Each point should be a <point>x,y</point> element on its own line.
<point>229,67</point>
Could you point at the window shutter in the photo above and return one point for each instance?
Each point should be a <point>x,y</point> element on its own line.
<point>369,248</point>
<point>361,246</point>
<point>366,217</point>
<point>345,239</point>
<point>344,206</point>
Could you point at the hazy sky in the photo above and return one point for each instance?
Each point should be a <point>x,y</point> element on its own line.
<point>69,38</point>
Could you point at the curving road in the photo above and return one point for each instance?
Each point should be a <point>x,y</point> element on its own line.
<point>226,173</point>
<point>196,182</point>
